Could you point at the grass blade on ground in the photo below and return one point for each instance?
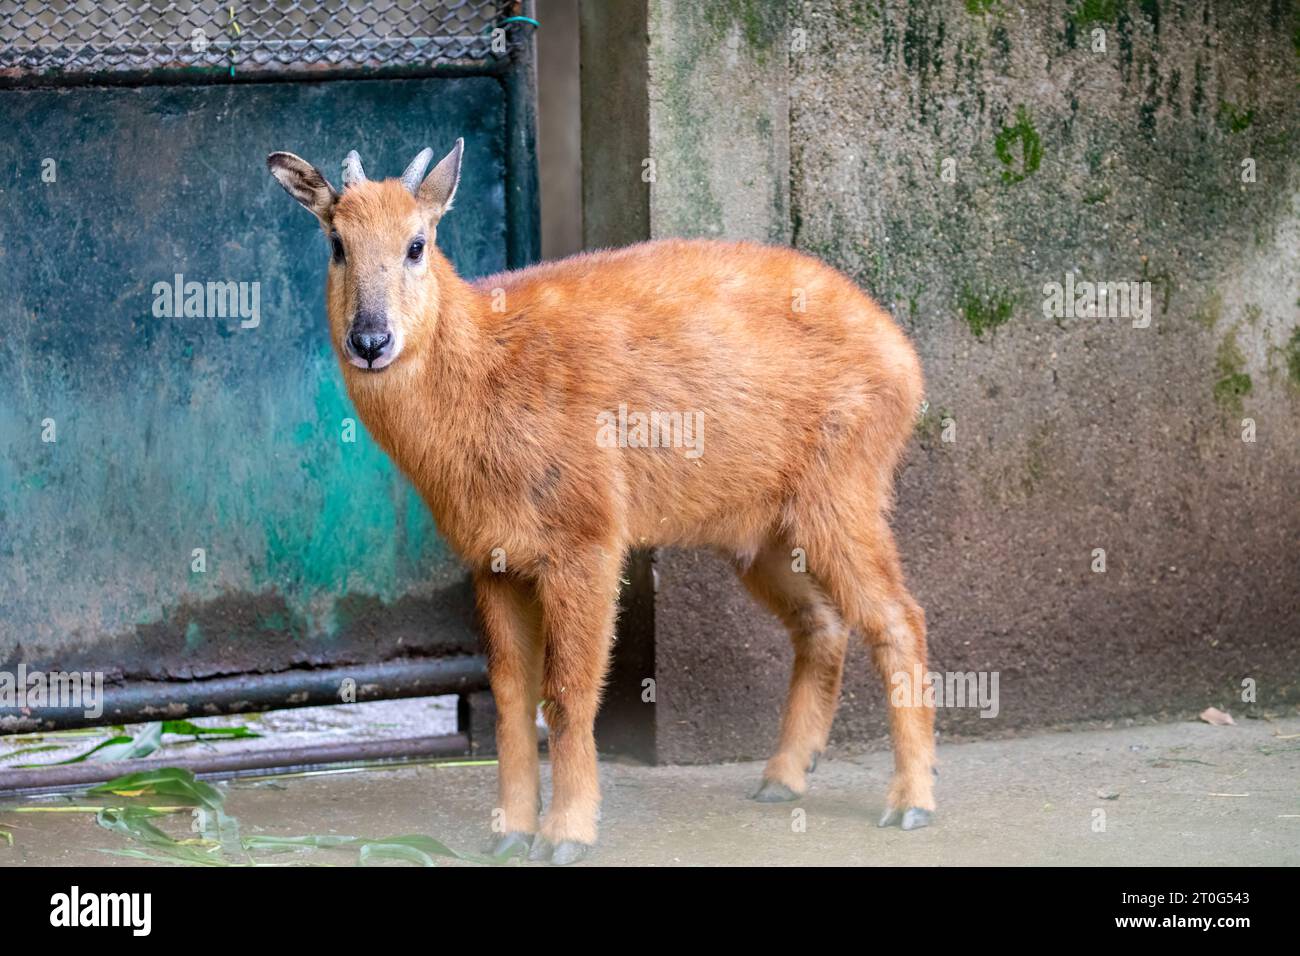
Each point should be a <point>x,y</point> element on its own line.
<point>166,781</point>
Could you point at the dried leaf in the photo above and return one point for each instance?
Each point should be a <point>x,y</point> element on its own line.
<point>1212,715</point>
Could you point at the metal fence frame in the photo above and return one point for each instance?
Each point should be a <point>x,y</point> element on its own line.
<point>103,37</point>
<point>515,69</point>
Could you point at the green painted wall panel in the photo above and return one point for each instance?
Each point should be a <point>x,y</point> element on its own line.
<point>193,432</point>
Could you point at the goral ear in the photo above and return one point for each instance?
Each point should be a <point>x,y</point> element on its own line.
<point>439,187</point>
<point>305,183</point>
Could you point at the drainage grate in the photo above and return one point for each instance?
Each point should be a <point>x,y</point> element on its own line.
<point>39,37</point>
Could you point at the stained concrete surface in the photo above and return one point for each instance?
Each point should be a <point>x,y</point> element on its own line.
<point>1173,794</point>
<point>1075,434</point>
<point>953,159</point>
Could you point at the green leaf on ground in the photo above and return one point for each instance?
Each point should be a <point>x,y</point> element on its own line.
<point>283,844</point>
<point>143,744</point>
<point>412,848</point>
<point>168,781</point>
<point>28,750</point>
<point>102,745</point>
<point>114,748</point>
<point>48,734</point>
<point>134,823</point>
<point>219,842</point>
<point>186,729</point>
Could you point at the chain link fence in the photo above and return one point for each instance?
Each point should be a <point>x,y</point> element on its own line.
<point>42,37</point>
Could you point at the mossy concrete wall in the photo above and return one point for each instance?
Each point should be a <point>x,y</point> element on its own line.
<point>955,158</point>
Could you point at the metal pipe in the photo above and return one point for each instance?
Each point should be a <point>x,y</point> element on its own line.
<point>144,701</point>
<point>202,76</point>
<point>247,763</point>
<point>523,215</point>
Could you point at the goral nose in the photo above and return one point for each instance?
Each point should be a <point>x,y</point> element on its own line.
<point>369,345</point>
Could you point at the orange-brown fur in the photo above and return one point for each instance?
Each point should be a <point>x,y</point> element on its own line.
<point>492,413</point>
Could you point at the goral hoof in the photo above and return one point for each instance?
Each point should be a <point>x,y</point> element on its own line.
<point>773,792</point>
<point>560,854</point>
<point>913,818</point>
<point>570,851</point>
<point>511,844</point>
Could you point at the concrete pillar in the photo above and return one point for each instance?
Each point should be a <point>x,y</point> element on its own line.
<point>685,132</point>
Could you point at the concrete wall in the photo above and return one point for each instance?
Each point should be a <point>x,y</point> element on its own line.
<point>954,158</point>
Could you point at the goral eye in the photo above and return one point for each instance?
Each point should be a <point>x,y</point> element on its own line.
<point>415,249</point>
<point>336,247</point>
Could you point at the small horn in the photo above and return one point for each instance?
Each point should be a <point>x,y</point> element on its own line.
<point>352,171</point>
<point>415,172</point>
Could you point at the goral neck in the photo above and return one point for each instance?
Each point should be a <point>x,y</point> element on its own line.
<point>420,409</point>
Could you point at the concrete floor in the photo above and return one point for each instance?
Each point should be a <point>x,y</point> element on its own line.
<point>1174,794</point>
